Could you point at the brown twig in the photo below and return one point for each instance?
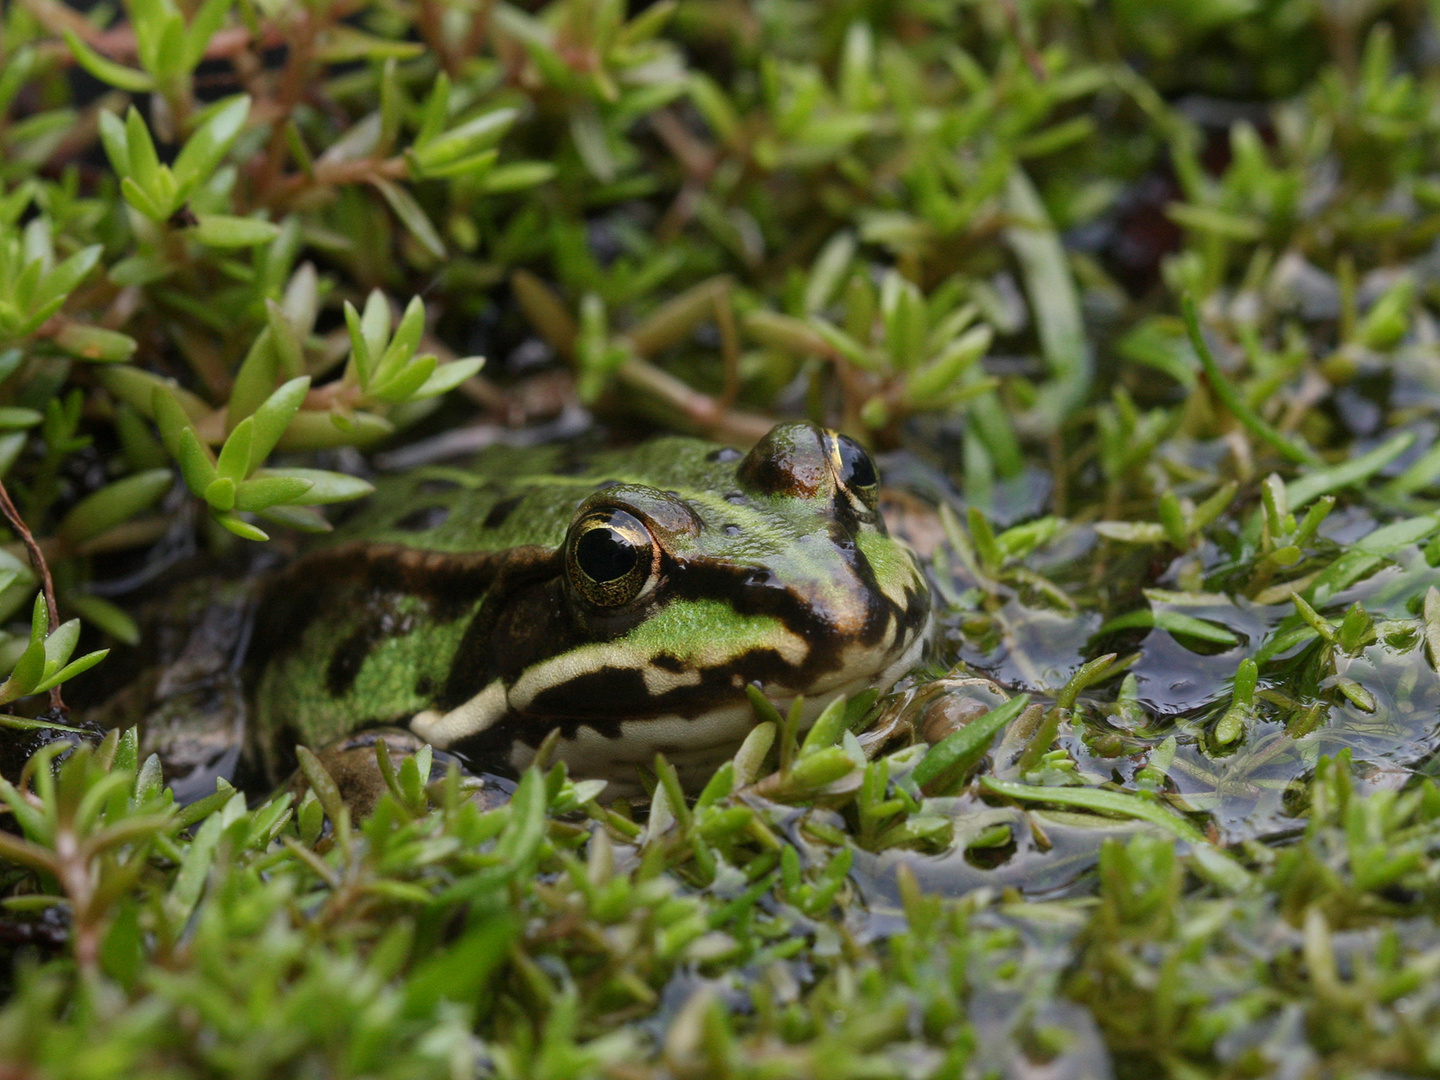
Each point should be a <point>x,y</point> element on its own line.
<point>479,29</point>
<point>37,560</point>
<point>294,78</point>
<point>729,348</point>
<point>430,22</point>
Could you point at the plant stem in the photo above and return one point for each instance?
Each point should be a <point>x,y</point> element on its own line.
<point>1230,397</point>
<point>37,560</point>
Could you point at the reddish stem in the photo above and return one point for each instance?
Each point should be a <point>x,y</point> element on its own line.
<point>37,560</point>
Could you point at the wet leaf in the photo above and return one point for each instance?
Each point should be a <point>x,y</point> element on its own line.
<point>961,749</point>
<point>1097,801</point>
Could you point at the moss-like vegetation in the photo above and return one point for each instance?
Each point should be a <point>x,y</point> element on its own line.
<point>1145,298</point>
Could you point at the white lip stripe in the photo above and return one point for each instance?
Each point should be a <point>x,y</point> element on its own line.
<point>558,670</point>
<point>697,744</point>
<point>658,680</point>
<point>700,736</point>
<point>477,714</point>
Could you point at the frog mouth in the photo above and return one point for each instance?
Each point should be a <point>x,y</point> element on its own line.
<point>702,714</point>
<point>697,745</point>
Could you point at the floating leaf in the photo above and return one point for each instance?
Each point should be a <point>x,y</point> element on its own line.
<point>1117,803</point>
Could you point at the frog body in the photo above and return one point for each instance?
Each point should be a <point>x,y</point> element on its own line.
<point>627,600</point>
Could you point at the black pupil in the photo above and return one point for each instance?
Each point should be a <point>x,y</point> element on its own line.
<point>856,468</point>
<point>606,554</point>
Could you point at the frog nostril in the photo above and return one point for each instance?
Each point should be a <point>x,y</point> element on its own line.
<point>761,578</point>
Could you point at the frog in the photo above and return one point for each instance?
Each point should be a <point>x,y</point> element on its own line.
<point>624,600</point>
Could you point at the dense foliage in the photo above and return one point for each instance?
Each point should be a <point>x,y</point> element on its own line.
<point>1146,292</point>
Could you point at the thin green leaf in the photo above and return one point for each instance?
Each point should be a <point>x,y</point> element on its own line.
<point>301,518</point>
<point>448,376</point>
<point>107,617</point>
<point>13,418</point>
<point>95,343</point>
<point>435,112</point>
<point>464,140</point>
<point>845,345</point>
<point>137,197</point>
<point>1115,803</point>
<point>206,22</point>
<point>60,644</point>
<point>241,528</point>
<point>403,345</point>
<point>261,493</point>
<point>937,376</point>
<point>961,749</point>
<point>226,231</point>
<point>107,71</point>
<point>1053,298</point>
<point>28,671</point>
<point>220,494</point>
<point>114,504</point>
<point>325,487</point>
<point>1323,481</point>
<point>289,349</point>
<point>144,163</point>
<point>402,386</point>
<point>170,418</point>
<point>513,176</point>
<point>273,417</point>
<point>234,461</point>
<point>1175,623</point>
<point>56,285</point>
<point>1232,399</point>
<point>411,216</point>
<point>317,431</point>
<point>360,352</point>
<point>207,147</point>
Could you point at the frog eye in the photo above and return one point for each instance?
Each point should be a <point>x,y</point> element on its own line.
<point>611,558</point>
<point>854,470</point>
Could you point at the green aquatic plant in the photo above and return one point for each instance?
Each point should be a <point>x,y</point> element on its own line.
<point>1147,295</point>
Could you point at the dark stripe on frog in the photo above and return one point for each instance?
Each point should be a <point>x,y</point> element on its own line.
<point>365,573</point>
<point>517,627</point>
<point>716,685</point>
<point>600,700</point>
<point>380,618</point>
<point>345,664</point>
<point>551,708</point>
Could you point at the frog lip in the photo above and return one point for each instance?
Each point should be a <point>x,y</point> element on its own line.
<point>838,628</point>
<point>609,700</point>
<point>697,744</point>
<point>612,683</point>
